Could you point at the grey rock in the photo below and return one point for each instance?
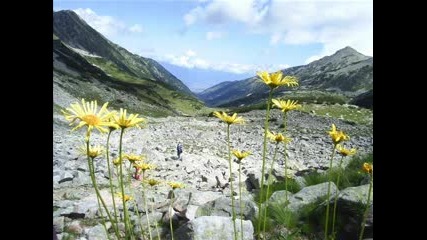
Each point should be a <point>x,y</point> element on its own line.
<point>222,207</point>
<point>58,223</point>
<point>97,233</point>
<point>311,194</point>
<point>66,176</point>
<point>213,228</point>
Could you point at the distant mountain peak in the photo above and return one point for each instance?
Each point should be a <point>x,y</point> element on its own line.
<point>348,51</point>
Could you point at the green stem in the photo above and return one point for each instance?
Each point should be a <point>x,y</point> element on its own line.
<point>99,206</point>
<point>126,216</point>
<point>110,178</point>
<point>268,185</point>
<point>264,150</point>
<point>157,229</point>
<point>170,213</point>
<point>329,192</point>
<point>98,195</point>
<point>146,209</point>
<point>365,214</point>
<point>336,199</point>
<point>231,183</point>
<point>240,199</point>
<point>285,125</point>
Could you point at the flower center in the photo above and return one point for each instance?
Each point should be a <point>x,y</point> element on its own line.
<point>91,119</point>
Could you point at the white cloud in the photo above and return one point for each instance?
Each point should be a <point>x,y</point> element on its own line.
<point>136,28</point>
<point>334,24</point>
<point>190,60</point>
<point>106,25</point>
<point>213,35</point>
<point>220,11</point>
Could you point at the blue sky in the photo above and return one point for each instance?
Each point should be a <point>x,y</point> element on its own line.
<point>220,40</point>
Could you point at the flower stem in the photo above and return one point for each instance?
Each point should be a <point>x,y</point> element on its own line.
<point>336,199</point>
<point>127,227</point>
<point>365,214</point>
<point>110,178</point>
<point>146,209</point>
<point>285,156</point>
<point>231,184</point>
<point>240,199</point>
<point>268,185</point>
<point>264,150</point>
<point>98,195</point>
<point>170,213</point>
<point>329,192</point>
<point>157,228</point>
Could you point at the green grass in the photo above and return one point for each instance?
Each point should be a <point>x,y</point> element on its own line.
<point>293,187</point>
<point>165,100</point>
<point>344,112</point>
<point>351,175</point>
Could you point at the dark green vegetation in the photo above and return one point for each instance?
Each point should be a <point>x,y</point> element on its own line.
<point>308,221</point>
<point>346,72</point>
<point>351,175</point>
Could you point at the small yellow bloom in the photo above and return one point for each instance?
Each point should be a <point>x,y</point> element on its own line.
<point>152,182</point>
<point>116,161</point>
<point>240,155</point>
<point>175,185</point>
<point>125,198</point>
<point>133,157</point>
<point>88,115</point>
<point>368,168</point>
<point>337,136</point>
<point>287,105</point>
<point>124,121</point>
<point>143,166</point>
<point>276,79</point>
<point>345,152</point>
<point>278,137</point>
<point>94,151</point>
<point>228,119</point>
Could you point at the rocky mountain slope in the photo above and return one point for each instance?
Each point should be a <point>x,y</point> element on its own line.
<point>87,65</point>
<point>204,165</point>
<point>347,72</point>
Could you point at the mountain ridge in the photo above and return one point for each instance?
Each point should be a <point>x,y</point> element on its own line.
<point>76,33</point>
<point>346,71</point>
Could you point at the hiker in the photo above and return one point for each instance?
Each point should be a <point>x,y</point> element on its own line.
<point>179,150</point>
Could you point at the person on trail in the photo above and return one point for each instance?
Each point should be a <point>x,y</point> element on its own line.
<point>179,150</point>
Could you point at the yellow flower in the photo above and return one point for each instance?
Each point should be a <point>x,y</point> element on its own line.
<point>152,182</point>
<point>345,152</point>
<point>88,115</point>
<point>275,80</point>
<point>94,151</point>
<point>337,136</point>
<point>116,161</point>
<point>126,197</point>
<point>143,166</point>
<point>124,121</point>
<point>133,157</point>
<point>175,185</point>
<point>278,137</point>
<point>368,168</point>
<point>287,105</point>
<point>228,119</point>
<point>240,155</point>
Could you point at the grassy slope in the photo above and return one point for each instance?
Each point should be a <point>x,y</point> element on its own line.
<point>153,92</point>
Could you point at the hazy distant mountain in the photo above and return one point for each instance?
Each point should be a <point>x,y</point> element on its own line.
<point>347,71</point>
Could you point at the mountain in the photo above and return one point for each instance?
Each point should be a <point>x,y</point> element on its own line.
<point>347,72</point>
<point>76,33</point>
<point>87,65</point>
